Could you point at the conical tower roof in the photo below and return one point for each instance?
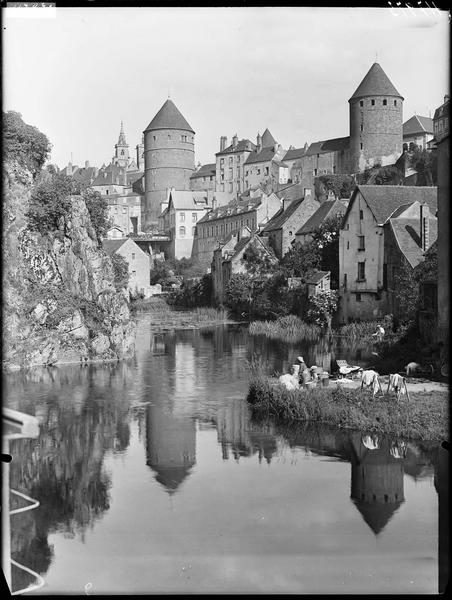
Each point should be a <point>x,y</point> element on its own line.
<point>267,139</point>
<point>375,83</point>
<point>169,117</point>
<point>122,137</point>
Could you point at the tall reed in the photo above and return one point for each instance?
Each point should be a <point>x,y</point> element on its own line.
<point>290,329</point>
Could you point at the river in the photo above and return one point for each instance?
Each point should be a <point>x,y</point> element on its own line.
<point>152,478</point>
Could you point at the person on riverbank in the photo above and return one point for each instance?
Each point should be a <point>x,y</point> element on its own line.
<point>380,333</point>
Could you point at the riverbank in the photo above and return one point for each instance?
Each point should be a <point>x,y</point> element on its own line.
<point>167,318</point>
<point>425,416</point>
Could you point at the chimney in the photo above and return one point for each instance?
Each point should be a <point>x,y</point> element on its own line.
<point>223,142</point>
<point>259,143</point>
<point>86,164</point>
<point>446,98</point>
<point>425,226</point>
<point>69,168</point>
<point>235,141</point>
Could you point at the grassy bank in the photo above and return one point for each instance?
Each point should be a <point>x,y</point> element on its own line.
<point>166,316</point>
<point>425,417</point>
<point>290,329</point>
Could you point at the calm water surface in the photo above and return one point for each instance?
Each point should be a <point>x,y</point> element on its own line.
<point>187,494</point>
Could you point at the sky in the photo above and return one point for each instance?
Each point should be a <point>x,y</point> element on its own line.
<point>229,71</point>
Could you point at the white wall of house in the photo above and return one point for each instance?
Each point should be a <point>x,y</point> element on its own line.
<point>139,265</point>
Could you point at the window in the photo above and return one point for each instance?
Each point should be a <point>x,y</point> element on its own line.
<point>211,178</point>
<point>230,174</point>
<point>334,168</point>
<point>361,127</point>
<point>247,173</point>
<point>122,152</point>
<point>361,271</point>
<point>238,171</point>
<point>231,187</point>
<point>169,137</point>
<point>315,172</point>
<point>385,102</point>
<point>222,187</point>
<point>247,185</point>
<point>361,215</point>
<point>372,102</point>
<point>182,231</point>
<point>361,145</point>
<point>266,170</point>
<point>134,273</point>
<point>133,255</point>
<point>231,158</point>
<point>361,242</point>
<point>345,281</point>
<point>222,177</point>
<point>155,137</point>
<point>106,192</point>
<point>348,245</point>
<point>182,216</point>
<point>290,233</point>
<point>194,217</point>
<point>221,162</point>
<point>193,231</point>
<point>361,102</point>
<point>216,229</point>
<point>358,297</point>
<point>124,210</point>
<point>238,158</point>
<point>258,171</point>
<point>395,102</point>
<point>183,138</point>
<point>247,222</point>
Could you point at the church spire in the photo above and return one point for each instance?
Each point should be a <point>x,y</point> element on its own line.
<point>122,136</point>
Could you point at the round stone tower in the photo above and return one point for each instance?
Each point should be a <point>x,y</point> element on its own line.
<point>376,122</point>
<point>169,158</point>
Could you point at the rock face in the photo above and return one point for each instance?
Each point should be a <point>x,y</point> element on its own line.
<point>59,299</point>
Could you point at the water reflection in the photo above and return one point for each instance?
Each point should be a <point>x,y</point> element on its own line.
<point>178,386</point>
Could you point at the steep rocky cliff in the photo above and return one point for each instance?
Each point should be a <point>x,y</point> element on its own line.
<point>59,299</point>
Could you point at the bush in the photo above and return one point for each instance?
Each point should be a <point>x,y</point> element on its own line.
<point>50,205</point>
<point>24,143</point>
<point>121,271</point>
<point>193,293</point>
<point>98,212</point>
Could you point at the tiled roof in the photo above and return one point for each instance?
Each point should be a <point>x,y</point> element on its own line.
<point>294,191</point>
<point>268,139</point>
<point>111,175</point>
<point>280,163</point>
<point>182,199</point>
<point>238,207</point>
<point>294,154</point>
<point>383,200</point>
<point>169,117</point>
<point>333,145</point>
<point>132,177</point>
<point>205,171</point>
<point>278,220</point>
<point>418,124</point>
<point>407,234</point>
<point>375,83</point>
<point>265,155</point>
<point>111,246</point>
<point>442,111</point>
<point>326,209</point>
<point>242,145</point>
<point>315,276</point>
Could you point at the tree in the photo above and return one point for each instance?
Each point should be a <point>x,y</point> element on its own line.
<point>24,143</point>
<point>50,204</point>
<point>321,308</point>
<point>240,292</point>
<point>301,258</point>
<point>327,239</point>
<point>406,290</point>
<point>121,271</point>
<point>341,185</point>
<point>98,212</point>
<point>256,260</point>
<point>425,163</point>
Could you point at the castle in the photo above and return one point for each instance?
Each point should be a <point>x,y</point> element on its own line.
<point>375,138</point>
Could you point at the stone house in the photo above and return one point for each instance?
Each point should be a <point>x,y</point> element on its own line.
<point>292,158</point>
<point>326,210</point>
<point>180,218</point>
<point>253,210</point>
<point>317,282</point>
<point>203,179</point>
<point>125,214</point>
<point>265,166</point>
<point>230,160</point>
<point>282,227</point>
<point>408,234</point>
<point>362,268</point>
<point>111,179</point>
<point>227,259</point>
<point>441,120</point>
<point>137,259</point>
<point>418,131</point>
